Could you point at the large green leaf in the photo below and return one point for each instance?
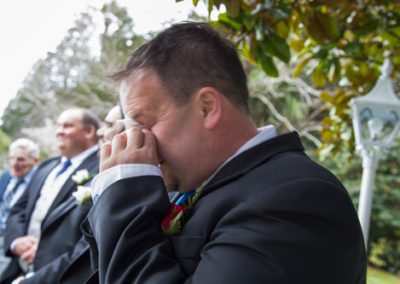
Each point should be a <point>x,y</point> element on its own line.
<point>228,22</point>
<point>276,46</point>
<point>322,27</point>
<point>318,77</point>
<point>266,63</point>
<point>232,8</point>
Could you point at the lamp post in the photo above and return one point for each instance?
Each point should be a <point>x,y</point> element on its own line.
<point>376,123</point>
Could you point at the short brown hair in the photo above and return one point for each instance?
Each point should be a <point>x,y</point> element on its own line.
<point>189,56</point>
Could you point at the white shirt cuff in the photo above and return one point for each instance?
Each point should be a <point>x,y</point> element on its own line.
<point>104,179</point>
<point>12,245</point>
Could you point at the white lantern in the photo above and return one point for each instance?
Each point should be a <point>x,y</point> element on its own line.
<point>376,123</point>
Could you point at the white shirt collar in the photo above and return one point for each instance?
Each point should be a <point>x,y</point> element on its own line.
<point>78,159</point>
<point>264,133</point>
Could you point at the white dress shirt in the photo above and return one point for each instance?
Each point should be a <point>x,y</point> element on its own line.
<point>52,187</point>
<point>111,175</point>
<point>20,190</point>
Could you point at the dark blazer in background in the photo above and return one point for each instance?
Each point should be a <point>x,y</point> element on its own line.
<point>4,180</point>
<point>80,269</point>
<point>270,215</point>
<point>60,228</point>
<point>78,263</point>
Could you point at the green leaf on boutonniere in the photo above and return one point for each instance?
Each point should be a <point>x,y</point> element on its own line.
<point>172,223</point>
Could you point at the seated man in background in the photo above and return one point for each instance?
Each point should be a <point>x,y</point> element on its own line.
<point>78,262</point>
<point>78,266</point>
<point>23,155</point>
<point>44,223</point>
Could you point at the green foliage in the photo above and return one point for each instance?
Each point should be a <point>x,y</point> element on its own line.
<point>291,111</point>
<point>377,276</point>
<point>384,236</point>
<point>4,142</point>
<point>338,46</point>
<point>73,75</point>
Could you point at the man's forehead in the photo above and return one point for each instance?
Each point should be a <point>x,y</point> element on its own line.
<point>123,88</point>
<point>70,116</point>
<point>137,80</point>
<point>139,91</point>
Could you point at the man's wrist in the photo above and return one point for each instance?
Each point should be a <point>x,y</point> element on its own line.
<point>12,246</point>
<point>111,175</point>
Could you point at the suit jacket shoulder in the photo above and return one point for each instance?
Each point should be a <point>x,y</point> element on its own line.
<point>263,214</point>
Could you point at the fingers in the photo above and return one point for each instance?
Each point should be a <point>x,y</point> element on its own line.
<point>135,137</point>
<point>105,150</point>
<point>133,146</point>
<point>148,139</point>
<point>105,154</point>
<point>29,255</point>
<point>119,142</point>
<point>18,280</point>
<point>23,244</point>
<point>32,240</point>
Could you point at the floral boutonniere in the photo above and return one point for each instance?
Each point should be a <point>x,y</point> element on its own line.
<point>82,177</point>
<point>83,194</point>
<point>172,223</point>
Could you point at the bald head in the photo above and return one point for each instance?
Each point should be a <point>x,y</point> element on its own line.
<point>76,131</point>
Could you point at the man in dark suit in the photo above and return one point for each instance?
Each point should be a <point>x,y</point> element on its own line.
<point>262,211</point>
<point>75,267</point>
<point>23,155</point>
<point>44,223</point>
<point>82,265</point>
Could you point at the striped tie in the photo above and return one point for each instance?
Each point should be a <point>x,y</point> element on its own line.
<point>64,167</point>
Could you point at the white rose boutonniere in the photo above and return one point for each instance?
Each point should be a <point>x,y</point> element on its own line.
<point>83,194</point>
<point>82,177</point>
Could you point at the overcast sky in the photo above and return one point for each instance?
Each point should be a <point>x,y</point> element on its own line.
<point>31,28</point>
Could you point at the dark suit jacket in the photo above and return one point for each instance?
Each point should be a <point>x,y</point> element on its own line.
<point>60,227</point>
<point>79,270</point>
<point>78,262</point>
<point>271,215</point>
<point>4,180</point>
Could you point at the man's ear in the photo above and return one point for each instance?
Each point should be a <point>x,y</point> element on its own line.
<point>210,105</point>
<point>90,132</point>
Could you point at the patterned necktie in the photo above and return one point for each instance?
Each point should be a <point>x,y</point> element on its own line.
<point>64,167</point>
<point>7,197</point>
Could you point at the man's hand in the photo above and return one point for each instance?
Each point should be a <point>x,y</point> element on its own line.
<point>133,146</point>
<point>23,244</point>
<point>29,255</point>
<point>18,280</point>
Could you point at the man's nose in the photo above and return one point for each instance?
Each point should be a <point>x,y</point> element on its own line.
<point>13,162</point>
<point>100,132</point>
<point>59,130</point>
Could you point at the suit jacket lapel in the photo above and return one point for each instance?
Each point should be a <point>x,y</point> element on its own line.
<point>62,209</point>
<point>253,157</point>
<point>91,164</point>
<point>36,184</point>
